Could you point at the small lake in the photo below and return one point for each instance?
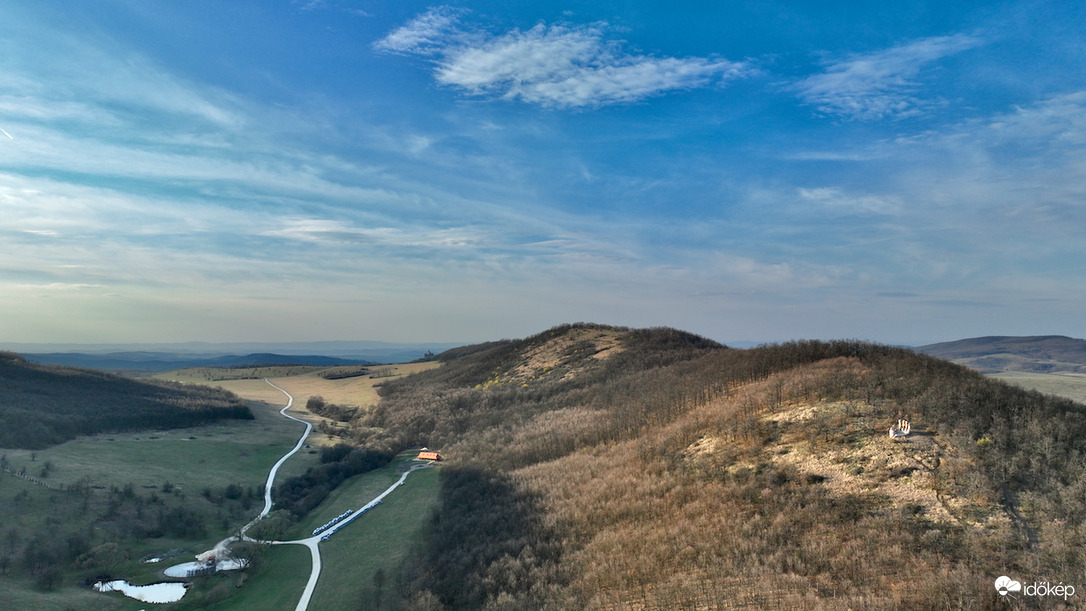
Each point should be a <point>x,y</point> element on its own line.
<point>166,592</point>
<point>188,569</point>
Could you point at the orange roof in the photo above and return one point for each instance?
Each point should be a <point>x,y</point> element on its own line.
<point>429,456</point>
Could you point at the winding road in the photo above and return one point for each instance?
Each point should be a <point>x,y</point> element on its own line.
<point>313,543</point>
<point>297,446</point>
<point>220,548</point>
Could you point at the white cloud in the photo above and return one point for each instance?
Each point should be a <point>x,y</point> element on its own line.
<point>1058,121</point>
<point>57,286</point>
<point>319,230</point>
<point>426,34</point>
<point>106,86</point>
<point>880,84</point>
<point>837,198</point>
<point>553,66</point>
<point>327,231</point>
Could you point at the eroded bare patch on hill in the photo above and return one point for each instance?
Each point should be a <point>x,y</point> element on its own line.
<point>561,357</point>
<point>848,449</point>
<point>574,345</point>
<point>845,446</point>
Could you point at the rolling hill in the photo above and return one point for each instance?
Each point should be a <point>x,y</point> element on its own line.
<point>601,467</point>
<point>593,467</point>
<point>1033,354</point>
<point>162,361</point>
<point>169,356</point>
<point>42,405</point>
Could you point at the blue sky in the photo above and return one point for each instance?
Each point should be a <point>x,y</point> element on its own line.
<point>286,170</point>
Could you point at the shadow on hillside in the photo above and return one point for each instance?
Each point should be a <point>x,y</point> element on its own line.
<point>487,542</point>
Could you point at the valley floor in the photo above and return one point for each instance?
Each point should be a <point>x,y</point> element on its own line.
<point>1068,385</point>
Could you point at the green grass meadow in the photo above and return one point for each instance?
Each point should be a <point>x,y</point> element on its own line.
<point>66,599</point>
<point>194,460</point>
<point>191,460</point>
<point>375,544</point>
<point>377,541</point>
<point>275,585</point>
<point>214,455</point>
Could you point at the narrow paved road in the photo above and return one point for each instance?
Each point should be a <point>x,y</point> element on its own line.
<point>298,446</point>
<point>313,543</point>
<point>220,549</point>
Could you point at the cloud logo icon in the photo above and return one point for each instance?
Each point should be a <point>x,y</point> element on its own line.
<point>1005,584</point>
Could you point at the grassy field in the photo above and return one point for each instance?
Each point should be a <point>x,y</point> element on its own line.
<point>358,391</point>
<point>352,494</point>
<point>190,460</point>
<point>64,600</point>
<point>27,509</point>
<point>377,541</point>
<point>302,382</point>
<point>276,585</point>
<point>1068,385</point>
<point>360,560</point>
<point>177,467</point>
<point>193,458</point>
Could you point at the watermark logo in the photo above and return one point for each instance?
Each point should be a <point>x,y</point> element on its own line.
<point>1005,586</point>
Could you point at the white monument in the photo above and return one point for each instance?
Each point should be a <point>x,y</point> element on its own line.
<point>900,430</point>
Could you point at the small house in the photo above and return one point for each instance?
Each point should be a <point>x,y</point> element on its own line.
<point>428,455</point>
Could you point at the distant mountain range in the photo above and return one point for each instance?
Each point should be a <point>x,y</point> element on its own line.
<point>161,361</point>
<point>1036,353</point>
<point>164,357</point>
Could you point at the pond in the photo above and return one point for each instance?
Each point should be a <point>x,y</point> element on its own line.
<point>166,592</point>
<point>191,569</point>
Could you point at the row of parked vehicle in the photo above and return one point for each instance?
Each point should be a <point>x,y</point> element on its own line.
<point>339,518</point>
<point>318,530</point>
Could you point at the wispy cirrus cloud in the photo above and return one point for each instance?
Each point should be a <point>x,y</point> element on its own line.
<point>335,232</point>
<point>881,84</point>
<point>426,34</point>
<point>559,66</point>
<point>836,198</point>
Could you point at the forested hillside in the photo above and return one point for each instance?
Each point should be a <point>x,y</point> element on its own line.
<point>598,467</point>
<point>43,405</point>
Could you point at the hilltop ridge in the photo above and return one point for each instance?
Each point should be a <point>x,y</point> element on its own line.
<point>598,467</point>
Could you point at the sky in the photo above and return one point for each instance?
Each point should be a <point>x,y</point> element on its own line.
<point>287,170</point>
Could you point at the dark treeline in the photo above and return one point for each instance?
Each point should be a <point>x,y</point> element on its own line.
<point>339,413</point>
<point>588,449</point>
<point>302,493</point>
<point>455,353</point>
<point>341,373</point>
<point>43,405</point>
